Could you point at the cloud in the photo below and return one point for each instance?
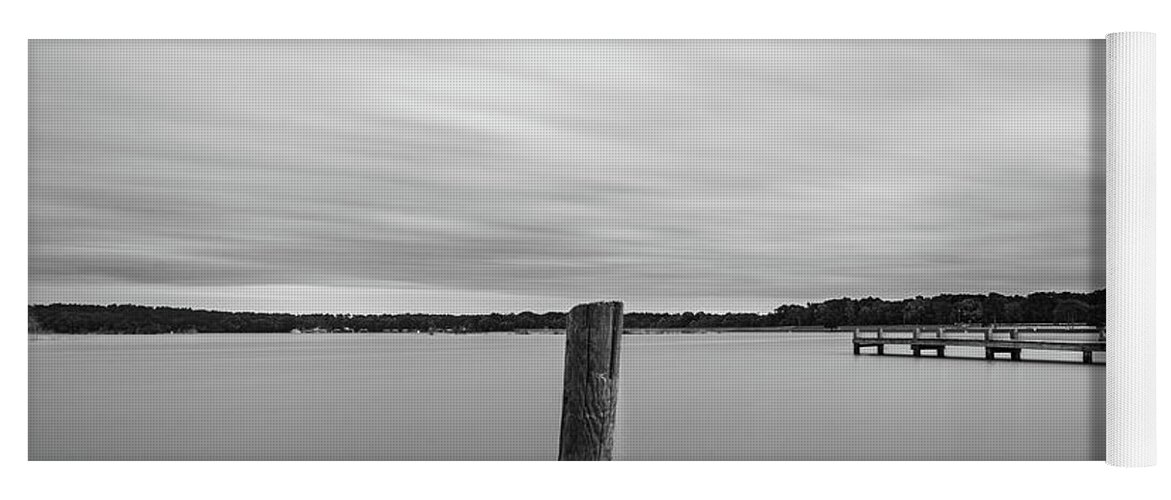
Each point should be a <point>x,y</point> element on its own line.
<point>675,175</point>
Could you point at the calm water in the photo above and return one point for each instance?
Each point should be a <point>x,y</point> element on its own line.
<point>497,396</point>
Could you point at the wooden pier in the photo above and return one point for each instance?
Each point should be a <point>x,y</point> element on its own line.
<point>994,340</point>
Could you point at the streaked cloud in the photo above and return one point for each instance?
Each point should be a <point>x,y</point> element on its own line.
<point>509,175</point>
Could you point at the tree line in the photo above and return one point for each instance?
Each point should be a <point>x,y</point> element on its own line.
<point>993,308</point>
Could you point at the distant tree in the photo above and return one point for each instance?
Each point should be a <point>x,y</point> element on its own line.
<point>941,311</point>
<point>1097,315</point>
<point>993,308</point>
<point>790,315</point>
<point>35,326</point>
<point>1014,312</point>
<point>969,311</point>
<point>1036,307</point>
<point>916,311</point>
<point>1039,307</point>
<point>1071,311</point>
<point>836,312</point>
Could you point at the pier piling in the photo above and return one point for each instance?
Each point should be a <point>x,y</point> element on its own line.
<point>590,397</point>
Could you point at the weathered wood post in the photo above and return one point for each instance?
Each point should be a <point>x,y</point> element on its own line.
<point>857,348</point>
<point>593,337</point>
<point>1015,333</point>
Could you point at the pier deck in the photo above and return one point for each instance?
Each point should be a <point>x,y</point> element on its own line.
<point>994,340</point>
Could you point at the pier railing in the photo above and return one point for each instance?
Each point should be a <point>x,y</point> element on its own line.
<point>995,339</point>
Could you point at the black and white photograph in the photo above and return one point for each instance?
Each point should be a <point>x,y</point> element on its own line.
<point>562,249</point>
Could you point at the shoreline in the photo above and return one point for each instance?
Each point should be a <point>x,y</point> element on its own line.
<point>534,332</point>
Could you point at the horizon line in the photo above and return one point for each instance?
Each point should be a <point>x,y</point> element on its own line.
<point>1103,289</point>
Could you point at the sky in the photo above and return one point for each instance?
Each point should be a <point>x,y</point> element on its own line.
<point>478,176</point>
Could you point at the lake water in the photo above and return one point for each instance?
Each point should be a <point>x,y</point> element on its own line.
<point>751,395</point>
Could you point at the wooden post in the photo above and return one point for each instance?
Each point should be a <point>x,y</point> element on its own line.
<point>1014,334</point>
<point>593,337</point>
<point>988,335</point>
<point>941,333</point>
<point>916,335</point>
<point>880,333</point>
